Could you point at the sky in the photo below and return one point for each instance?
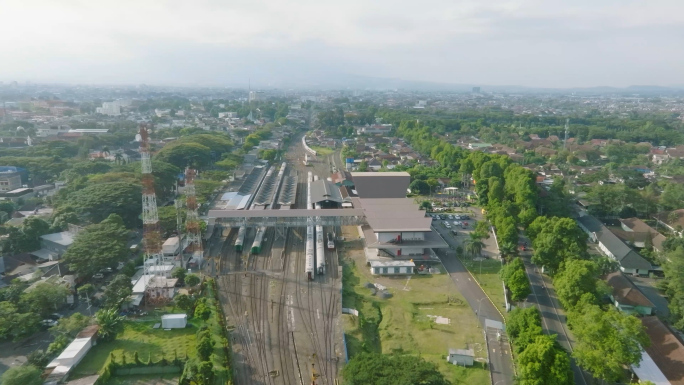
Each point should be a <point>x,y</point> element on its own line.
<point>534,43</point>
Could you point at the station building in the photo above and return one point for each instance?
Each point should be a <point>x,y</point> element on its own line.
<point>397,229</point>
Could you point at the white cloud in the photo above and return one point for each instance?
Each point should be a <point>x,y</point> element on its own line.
<point>532,42</point>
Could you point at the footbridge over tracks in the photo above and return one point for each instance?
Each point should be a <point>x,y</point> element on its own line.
<point>288,218</point>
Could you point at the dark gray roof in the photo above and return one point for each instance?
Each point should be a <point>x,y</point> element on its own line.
<point>628,258</point>
<point>381,184</point>
<point>590,223</point>
<point>324,190</point>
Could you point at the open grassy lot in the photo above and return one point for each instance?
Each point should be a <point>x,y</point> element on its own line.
<point>323,150</point>
<point>139,336</point>
<point>405,322</point>
<point>148,342</point>
<point>489,279</point>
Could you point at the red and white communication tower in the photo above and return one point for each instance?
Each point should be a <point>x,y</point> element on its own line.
<point>150,217</point>
<point>192,221</point>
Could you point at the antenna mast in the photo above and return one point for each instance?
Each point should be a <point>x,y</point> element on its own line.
<point>150,217</point>
<point>565,142</point>
<point>192,221</point>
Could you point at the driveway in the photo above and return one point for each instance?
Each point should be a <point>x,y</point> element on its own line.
<point>501,361</point>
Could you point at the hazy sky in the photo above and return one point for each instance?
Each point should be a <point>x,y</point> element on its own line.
<point>546,43</point>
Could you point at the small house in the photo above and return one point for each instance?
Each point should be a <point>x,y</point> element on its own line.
<point>626,297</point>
<point>463,357</point>
<point>174,321</point>
<point>392,267</point>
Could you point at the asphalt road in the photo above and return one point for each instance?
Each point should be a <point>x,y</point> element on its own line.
<point>554,320</point>
<point>501,361</point>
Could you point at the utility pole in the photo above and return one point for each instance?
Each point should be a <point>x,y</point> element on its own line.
<point>565,141</point>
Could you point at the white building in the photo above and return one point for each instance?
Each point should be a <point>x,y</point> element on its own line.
<point>253,96</point>
<point>109,108</point>
<point>392,267</point>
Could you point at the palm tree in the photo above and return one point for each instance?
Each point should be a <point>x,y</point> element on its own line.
<point>110,322</point>
<point>118,158</point>
<point>473,247</point>
<point>105,150</point>
<point>508,249</point>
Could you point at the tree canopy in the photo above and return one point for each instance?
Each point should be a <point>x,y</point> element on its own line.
<point>97,201</point>
<point>98,246</point>
<point>391,369</point>
<point>514,276</point>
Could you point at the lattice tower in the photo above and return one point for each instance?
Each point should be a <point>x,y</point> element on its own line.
<point>192,221</point>
<point>151,230</point>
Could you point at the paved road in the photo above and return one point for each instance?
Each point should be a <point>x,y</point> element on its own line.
<point>500,357</point>
<point>554,320</point>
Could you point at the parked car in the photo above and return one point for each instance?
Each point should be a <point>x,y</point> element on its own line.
<point>451,217</point>
<point>457,223</point>
<point>98,276</point>
<point>465,224</point>
<point>48,323</point>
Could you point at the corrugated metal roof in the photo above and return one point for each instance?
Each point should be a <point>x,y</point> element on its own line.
<point>325,190</point>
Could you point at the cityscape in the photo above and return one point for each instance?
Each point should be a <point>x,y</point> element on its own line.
<point>318,195</point>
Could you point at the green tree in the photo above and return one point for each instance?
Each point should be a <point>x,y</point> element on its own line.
<point>110,322</point>
<point>22,375</point>
<point>44,298</point>
<point>205,346</point>
<point>425,205</point>
<point>606,341</point>
<point>473,247</point>
<point>179,273</point>
<point>97,247</point>
<point>14,324</point>
<point>184,302</point>
<point>183,155</point>
<point>71,326</point>
<point>577,278</point>
<point>87,290</point>
<point>544,362</point>
<point>559,240</point>
<point>192,280</point>
<point>419,187</point>
<point>96,202</point>
<point>118,291</point>
<point>168,220</point>
<point>363,166</point>
<point>523,326</point>
<point>391,369</point>
<point>202,311</point>
<point>514,276</point>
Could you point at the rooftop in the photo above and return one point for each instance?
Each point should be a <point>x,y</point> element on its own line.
<point>64,238</point>
<point>325,190</point>
<point>432,240</point>
<point>381,184</point>
<point>666,350</point>
<point>392,263</point>
<point>625,292</point>
<point>394,214</point>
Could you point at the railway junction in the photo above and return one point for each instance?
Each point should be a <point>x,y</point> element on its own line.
<point>277,269</point>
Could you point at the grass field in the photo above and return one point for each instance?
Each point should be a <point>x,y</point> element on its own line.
<point>489,279</point>
<point>140,337</point>
<point>403,322</point>
<point>323,150</point>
